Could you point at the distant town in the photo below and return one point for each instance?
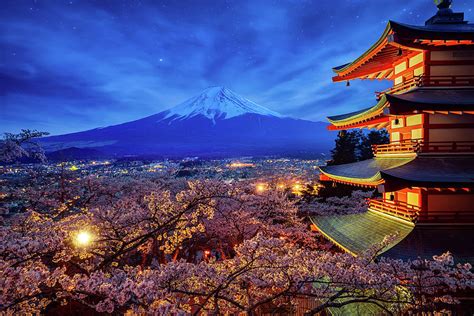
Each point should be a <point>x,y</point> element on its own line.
<point>282,173</point>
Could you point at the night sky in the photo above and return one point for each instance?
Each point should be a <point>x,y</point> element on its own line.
<point>74,65</point>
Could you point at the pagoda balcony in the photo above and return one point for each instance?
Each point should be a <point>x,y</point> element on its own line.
<point>395,208</point>
<point>412,146</point>
<point>429,81</point>
<point>414,213</point>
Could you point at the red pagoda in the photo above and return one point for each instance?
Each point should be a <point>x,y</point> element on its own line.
<point>426,172</point>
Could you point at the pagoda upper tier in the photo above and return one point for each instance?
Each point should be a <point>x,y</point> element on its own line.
<point>423,99</point>
<point>445,30</point>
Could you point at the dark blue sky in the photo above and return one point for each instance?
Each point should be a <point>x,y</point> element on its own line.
<point>73,65</point>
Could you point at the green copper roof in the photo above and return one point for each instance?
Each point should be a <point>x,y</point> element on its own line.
<point>356,233</point>
<point>357,309</point>
<point>359,115</point>
<point>366,171</point>
<point>423,98</point>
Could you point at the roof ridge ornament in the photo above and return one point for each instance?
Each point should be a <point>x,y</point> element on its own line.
<point>445,15</point>
<point>443,4</point>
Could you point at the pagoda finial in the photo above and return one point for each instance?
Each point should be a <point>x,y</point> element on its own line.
<point>445,15</point>
<point>443,4</point>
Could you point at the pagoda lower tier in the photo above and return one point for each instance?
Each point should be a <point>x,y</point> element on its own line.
<point>418,188</point>
<point>420,195</point>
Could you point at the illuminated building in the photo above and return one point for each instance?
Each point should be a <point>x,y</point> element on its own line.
<point>426,172</point>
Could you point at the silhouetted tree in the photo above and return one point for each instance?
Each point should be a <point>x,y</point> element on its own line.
<point>367,141</point>
<point>345,149</point>
<point>352,146</point>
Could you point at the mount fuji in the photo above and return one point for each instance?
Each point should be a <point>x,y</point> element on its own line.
<point>215,123</point>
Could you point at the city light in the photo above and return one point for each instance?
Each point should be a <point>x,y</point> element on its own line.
<point>241,165</point>
<point>261,187</point>
<point>83,238</point>
<point>297,188</point>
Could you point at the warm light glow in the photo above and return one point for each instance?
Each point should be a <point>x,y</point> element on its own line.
<point>207,252</point>
<point>297,188</point>
<point>261,187</point>
<point>280,186</point>
<point>241,165</point>
<point>73,168</point>
<point>83,238</point>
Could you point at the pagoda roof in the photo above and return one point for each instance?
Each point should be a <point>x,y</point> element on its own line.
<point>444,31</point>
<point>399,41</point>
<point>357,233</point>
<point>366,172</point>
<point>361,118</point>
<point>423,171</point>
<point>433,170</point>
<point>429,99</point>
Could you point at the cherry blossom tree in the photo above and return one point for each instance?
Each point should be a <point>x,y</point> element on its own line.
<point>15,146</point>
<point>167,248</point>
<point>355,203</point>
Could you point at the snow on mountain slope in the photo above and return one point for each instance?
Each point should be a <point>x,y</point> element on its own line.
<point>223,124</point>
<point>217,103</point>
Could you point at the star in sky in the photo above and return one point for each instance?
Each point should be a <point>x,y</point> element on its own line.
<point>76,65</point>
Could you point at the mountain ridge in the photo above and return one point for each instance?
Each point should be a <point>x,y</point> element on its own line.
<point>217,122</point>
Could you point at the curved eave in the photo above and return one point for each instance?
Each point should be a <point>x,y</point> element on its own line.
<point>406,37</point>
<point>361,118</point>
<point>373,181</point>
<point>381,42</point>
<point>363,173</point>
<point>377,122</point>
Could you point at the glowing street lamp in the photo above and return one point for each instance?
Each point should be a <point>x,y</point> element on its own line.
<point>83,239</point>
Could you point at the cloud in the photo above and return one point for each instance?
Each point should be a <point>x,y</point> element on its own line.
<point>73,65</point>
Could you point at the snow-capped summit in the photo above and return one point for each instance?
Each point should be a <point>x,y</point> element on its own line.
<point>216,123</point>
<point>217,103</point>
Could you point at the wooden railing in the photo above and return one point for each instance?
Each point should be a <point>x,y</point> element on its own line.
<point>421,146</point>
<point>399,209</point>
<point>401,87</point>
<point>402,147</point>
<point>429,81</point>
<point>415,214</point>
